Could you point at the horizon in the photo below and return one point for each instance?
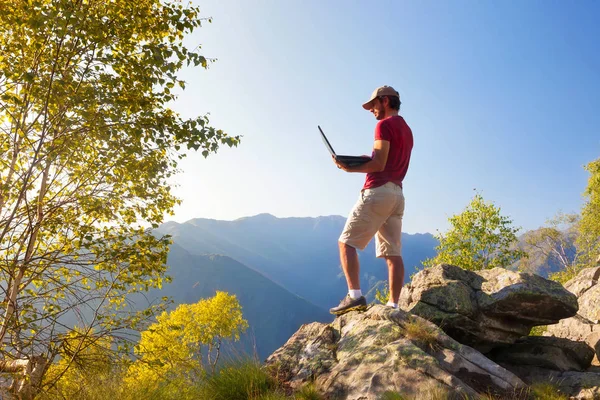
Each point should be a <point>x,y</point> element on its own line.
<point>501,98</point>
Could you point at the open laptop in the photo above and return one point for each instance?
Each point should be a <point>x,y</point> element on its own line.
<point>350,161</point>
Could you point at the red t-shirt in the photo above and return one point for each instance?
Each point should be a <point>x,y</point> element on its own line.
<point>398,133</point>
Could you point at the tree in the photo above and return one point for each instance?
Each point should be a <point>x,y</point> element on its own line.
<point>87,145</point>
<point>552,247</point>
<point>588,239</point>
<point>176,351</point>
<point>479,238</point>
<point>92,373</point>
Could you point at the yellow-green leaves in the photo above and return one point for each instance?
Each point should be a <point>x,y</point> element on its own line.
<point>88,144</point>
<point>588,240</point>
<point>185,342</point>
<point>479,238</point>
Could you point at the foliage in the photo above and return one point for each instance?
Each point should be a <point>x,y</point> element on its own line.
<point>552,244</point>
<point>479,238</point>
<point>242,380</point>
<point>421,333</point>
<point>87,146</point>
<point>588,239</point>
<point>179,348</point>
<point>382,295</point>
<point>87,369</point>
<point>546,391</point>
<point>308,392</point>
<point>538,330</point>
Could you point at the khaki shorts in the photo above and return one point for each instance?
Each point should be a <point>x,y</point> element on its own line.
<point>377,211</point>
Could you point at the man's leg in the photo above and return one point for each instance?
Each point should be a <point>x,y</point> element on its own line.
<point>363,222</point>
<point>396,276</point>
<point>350,265</point>
<point>389,246</point>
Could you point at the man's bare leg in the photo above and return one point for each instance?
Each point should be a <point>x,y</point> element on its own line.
<point>396,276</point>
<point>350,265</point>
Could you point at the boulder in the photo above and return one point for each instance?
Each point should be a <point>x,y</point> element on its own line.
<point>574,384</point>
<point>547,352</point>
<point>584,326</point>
<point>488,308</point>
<point>363,355</point>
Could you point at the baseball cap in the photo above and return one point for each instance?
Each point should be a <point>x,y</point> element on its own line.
<point>381,91</point>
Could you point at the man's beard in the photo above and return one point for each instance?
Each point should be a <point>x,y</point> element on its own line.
<point>380,115</point>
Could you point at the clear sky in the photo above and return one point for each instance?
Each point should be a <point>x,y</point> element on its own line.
<point>502,97</point>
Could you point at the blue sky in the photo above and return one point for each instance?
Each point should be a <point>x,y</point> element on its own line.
<point>502,97</point>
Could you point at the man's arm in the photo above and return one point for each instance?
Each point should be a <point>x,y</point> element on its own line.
<point>381,149</point>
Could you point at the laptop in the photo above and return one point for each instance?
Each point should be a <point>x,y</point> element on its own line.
<point>350,161</point>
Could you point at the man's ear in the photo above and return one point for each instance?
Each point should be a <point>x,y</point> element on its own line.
<point>385,102</point>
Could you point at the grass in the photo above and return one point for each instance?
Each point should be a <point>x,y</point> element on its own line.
<point>538,330</point>
<point>421,333</point>
<point>308,392</point>
<point>241,380</point>
<point>546,391</point>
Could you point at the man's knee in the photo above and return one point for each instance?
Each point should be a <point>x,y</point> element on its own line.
<point>345,247</point>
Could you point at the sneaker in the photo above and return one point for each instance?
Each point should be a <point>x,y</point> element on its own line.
<point>349,304</point>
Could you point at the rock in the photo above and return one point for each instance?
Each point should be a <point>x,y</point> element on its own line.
<point>584,325</point>
<point>487,308</point>
<point>363,355</point>
<point>547,352</point>
<point>576,385</point>
<point>585,286</point>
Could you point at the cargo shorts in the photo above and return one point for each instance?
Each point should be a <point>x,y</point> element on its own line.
<point>378,212</point>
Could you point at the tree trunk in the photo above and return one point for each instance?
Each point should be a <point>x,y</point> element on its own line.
<point>27,376</point>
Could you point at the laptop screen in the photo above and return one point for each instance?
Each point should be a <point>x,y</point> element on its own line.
<point>326,142</point>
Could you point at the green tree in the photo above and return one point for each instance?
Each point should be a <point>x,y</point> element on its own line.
<point>87,146</point>
<point>588,239</point>
<point>176,351</point>
<point>479,238</point>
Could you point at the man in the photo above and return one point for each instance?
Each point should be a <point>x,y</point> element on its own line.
<point>380,207</point>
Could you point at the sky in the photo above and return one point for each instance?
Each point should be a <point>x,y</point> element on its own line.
<point>502,98</point>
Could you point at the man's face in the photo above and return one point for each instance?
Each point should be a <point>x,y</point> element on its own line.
<point>378,109</point>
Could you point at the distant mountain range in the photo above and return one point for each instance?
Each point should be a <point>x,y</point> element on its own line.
<point>300,254</point>
<point>272,312</point>
<point>284,271</point>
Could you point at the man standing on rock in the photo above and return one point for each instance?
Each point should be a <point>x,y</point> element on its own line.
<point>380,206</point>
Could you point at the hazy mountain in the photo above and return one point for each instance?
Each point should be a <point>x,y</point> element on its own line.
<point>272,312</point>
<point>300,254</point>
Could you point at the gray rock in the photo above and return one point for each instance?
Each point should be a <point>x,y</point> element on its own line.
<point>584,325</point>
<point>576,385</point>
<point>487,308</point>
<point>547,352</point>
<point>363,355</point>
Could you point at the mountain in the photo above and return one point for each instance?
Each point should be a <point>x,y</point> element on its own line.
<point>272,312</point>
<point>300,254</point>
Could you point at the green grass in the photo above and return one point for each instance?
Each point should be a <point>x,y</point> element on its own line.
<point>308,392</point>
<point>419,332</point>
<point>241,380</point>
<point>538,330</point>
<point>546,391</point>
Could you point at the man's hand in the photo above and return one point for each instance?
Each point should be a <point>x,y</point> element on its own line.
<point>340,165</point>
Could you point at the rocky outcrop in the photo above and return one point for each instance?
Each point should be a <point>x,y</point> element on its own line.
<point>363,355</point>
<point>548,352</point>
<point>577,385</point>
<point>585,325</point>
<point>485,309</point>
